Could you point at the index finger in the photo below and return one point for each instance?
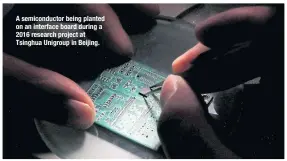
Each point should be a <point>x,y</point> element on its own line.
<point>183,62</point>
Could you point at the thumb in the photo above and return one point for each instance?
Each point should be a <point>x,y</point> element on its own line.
<point>55,97</point>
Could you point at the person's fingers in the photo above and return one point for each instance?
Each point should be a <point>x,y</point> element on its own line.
<point>230,30</point>
<point>174,88</point>
<point>224,30</point>
<point>184,62</point>
<point>148,9</point>
<point>200,53</point>
<point>113,33</point>
<point>183,128</point>
<point>79,106</point>
<point>223,72</point>
<point>178,117</point>
<point>233,26</point>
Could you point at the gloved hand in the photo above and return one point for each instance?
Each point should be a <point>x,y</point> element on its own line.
<point>184,127</point>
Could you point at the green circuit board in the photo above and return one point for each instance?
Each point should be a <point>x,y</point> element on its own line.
<point>121,109</point>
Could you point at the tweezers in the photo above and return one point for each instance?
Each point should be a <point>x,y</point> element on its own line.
<point>147,91</point>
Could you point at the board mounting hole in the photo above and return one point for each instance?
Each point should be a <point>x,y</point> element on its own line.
<point>146,136</point>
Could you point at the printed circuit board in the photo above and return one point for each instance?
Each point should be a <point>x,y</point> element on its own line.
<point>121,109</point>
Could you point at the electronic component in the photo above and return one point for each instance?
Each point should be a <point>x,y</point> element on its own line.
<point>146,91</point>
<point>114,86</point>
<point>96,93</point>
<point>119,80</point>
<point>109,101</point>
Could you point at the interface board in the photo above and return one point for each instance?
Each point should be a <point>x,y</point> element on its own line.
<point>121,109</point>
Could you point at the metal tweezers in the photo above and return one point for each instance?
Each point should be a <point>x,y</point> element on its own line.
<point>147,91</point>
